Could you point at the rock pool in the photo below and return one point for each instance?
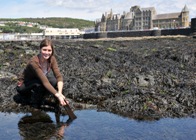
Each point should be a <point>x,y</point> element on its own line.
<point>94,125</point>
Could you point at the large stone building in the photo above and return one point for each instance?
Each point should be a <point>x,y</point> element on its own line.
<point>142,19</point>
<point>172,20</point>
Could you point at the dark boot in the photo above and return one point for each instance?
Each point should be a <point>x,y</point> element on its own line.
<point>37,97</point>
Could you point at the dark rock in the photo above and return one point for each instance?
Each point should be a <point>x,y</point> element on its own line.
<point>145,79</point>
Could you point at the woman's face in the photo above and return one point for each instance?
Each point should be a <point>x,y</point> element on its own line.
<point>46,52</point>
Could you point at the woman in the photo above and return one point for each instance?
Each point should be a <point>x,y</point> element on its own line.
<point>42,70</point>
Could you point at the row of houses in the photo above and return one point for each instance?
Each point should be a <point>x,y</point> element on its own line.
<point>22,23</point>
<point>142,19</point>
<point>53,33</point>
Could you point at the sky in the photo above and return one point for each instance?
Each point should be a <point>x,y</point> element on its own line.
<point>87,9</point>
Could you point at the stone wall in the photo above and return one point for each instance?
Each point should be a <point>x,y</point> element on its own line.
<point>193,26</point>
<point>186,32</point>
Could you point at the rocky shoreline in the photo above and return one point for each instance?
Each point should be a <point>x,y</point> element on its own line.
<point>141,78</point>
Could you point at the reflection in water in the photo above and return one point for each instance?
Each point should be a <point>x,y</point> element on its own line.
<point>91,125</point>
<point>38,125</point>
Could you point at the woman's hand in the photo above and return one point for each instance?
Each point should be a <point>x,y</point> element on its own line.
<point>61,98</point>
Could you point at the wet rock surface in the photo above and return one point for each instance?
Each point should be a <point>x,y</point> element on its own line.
<point>139,78</point>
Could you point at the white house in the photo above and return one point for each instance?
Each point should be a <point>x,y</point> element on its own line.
<point>62,32</point>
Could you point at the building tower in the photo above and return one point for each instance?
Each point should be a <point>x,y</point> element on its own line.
<point>185,17</point>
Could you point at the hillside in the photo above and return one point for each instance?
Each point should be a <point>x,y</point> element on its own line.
<point>55,22</point>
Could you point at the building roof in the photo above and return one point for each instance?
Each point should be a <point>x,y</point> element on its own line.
<point>167,16</point>
<point>116,16</point>
<point>185,9</point>
<point>128,16</point>
<point>148,9</point>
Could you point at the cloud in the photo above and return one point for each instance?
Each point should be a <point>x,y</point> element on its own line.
<point>86,9</point>
<point>79,4</point>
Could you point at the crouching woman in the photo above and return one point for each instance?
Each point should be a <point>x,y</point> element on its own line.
<point>42,70</point>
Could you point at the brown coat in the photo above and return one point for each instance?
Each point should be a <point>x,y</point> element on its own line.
<point>33,71</point>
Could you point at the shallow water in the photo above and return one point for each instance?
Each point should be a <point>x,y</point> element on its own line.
<point>93,125</point>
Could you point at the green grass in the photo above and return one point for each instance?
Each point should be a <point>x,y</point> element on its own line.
<point>56,22</point>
